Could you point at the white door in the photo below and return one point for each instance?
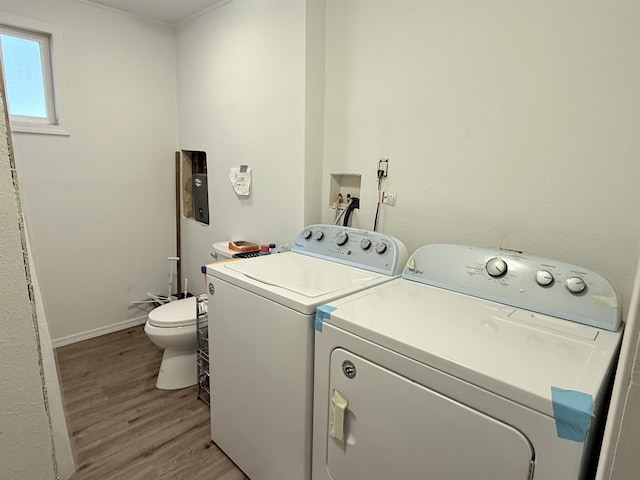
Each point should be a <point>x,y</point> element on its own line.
<point>395,428</point>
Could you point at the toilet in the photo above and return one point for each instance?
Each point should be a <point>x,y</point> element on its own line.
<point>172,327</point>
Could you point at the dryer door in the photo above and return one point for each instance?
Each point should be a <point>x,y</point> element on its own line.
<point>396,428</point>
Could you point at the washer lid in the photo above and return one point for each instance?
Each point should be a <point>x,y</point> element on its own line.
<point>297,281</point>
<point>308,277</point>
<point>179,313</point>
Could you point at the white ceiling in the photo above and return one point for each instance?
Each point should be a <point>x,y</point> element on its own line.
<point>166,11</point>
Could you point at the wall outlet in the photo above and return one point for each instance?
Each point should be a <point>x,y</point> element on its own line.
<point>383,167</point>
<point>389,198</point>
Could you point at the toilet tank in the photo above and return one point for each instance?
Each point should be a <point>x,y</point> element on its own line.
<point>221,251</point>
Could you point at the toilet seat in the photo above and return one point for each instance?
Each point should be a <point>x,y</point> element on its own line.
<point>179,313</point>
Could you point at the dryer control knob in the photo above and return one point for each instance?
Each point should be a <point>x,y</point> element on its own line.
<point>319,236</point>
<point>381,247</point>
<point>307,234</point>
<point>365,244</point>
<point>342,238</point>
<point>544,278</point>
<point>575,285</point>
<point>496,267</point>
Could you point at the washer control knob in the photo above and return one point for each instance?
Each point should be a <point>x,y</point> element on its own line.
<point>365,244</point>
<point>496,267</point>
<point>307,233</point>
<point>342,238</point>
<point>544,278</point>
<point>381,247</point>
<point>575,285</point>
<point>319,236</point>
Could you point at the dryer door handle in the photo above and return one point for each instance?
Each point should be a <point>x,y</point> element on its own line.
<point>337,412</point>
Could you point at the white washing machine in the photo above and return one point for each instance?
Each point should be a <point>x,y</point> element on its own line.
<point>475,365</point>
<point>261,329</point>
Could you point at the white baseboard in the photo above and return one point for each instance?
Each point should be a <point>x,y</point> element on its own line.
<point>78,337</point>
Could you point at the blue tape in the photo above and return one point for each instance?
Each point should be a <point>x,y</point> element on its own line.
<point>572,411</point>
<point>322,312</point>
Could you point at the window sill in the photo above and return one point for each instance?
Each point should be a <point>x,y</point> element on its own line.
<point>40,129</point>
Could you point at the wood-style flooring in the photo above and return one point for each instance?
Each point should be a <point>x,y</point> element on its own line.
<point>122,427</point>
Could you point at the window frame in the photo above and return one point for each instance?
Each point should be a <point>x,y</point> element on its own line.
<point>50,39</point>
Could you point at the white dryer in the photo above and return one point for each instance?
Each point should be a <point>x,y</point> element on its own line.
<point>475,365</point>
<point>261,329</point>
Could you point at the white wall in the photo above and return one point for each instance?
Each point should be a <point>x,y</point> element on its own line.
<point>241,84</point>
<point>100,203</point>
<point>314,98</point>
<point>618,458</point>
<point>65,460</point>
<point>626,463</point>
<point>26,442</point>
<point>506,124</point>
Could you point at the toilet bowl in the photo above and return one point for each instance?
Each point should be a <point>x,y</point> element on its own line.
<point>172,327</point>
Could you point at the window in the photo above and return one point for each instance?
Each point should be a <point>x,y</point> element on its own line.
<point>27,63</point>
